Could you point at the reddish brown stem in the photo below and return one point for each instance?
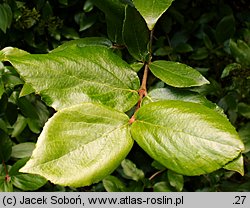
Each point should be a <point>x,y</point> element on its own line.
<point>7,177</point>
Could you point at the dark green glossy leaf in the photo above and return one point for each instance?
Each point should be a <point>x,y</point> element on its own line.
<point>81,145</point>
<point>72,75</point>
<point>225,29</point>
<point>200,54</point>
<point>23,150</point>
<point>186,137</point>
<point>113,184</point>
<point>244,109</point>
<point>136,34</point>
<point>25,182</point>
<point>131,171</point>
<point>5,17</point>
<point>19,126</point>
<point>176,74</point>
<point>176,180</point>
<point>115,13</point>
<point>5,146</point>
<point>152,10</point>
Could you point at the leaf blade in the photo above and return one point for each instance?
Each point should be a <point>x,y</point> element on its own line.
<point>187,138</point>
<point>81,145</point>
<point>176,74</point>
<point>77,74</point>
<point>152,10</point>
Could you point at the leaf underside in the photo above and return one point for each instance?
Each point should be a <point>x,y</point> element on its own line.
<point>81,145</point>
<point>186,137</point>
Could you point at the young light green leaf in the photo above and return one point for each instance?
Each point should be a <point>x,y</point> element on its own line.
<point>186,137</point>
<point>176,74</point>
<point>131,171</point>
<point>77,74</point>
<point>151,10</point>
<point>81,145</point>
<point>136,34</point>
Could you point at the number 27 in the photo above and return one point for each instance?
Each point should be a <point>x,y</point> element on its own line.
<point>239,199</point>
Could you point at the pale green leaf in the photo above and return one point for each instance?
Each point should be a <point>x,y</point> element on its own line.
<point>186,137</point>
<point>131,171</point>
<point>236,165</point>
<point>81,145</point>
<point>151,10</point>
<point>176,94</point>
<point>23,150</point>
<point>176,74</point>
<point>77,74</point>
<point>136,34</point>
<point>162,187</point>
<point>113,184</point>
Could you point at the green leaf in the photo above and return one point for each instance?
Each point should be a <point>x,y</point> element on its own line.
<point>244,109</point>
<point>236,165</point>
<point>5,183</point>
<point>5,146</point>
<point>23,150</point>
<point>19,126</point>
<point>188,138</point>
<point>151,10</point>
<point>78,74</point>
<point>5,17</point>
<point>176,74</point>
<point>229,68</point>
<point>136,34</point>
<point>82,42</point>
<point>113,184</point>
<point>244,133</point>
<point>176,180</point>
<point>26,90</point>
<point>25,182</point>
<point>5,186</point>
<point>241,51</point>
<point>131,171</point>
<point>177,94</point>
<point>81,145</point>
<point>162,187</point>
<point>225,29</point>
<point>114,12</point>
